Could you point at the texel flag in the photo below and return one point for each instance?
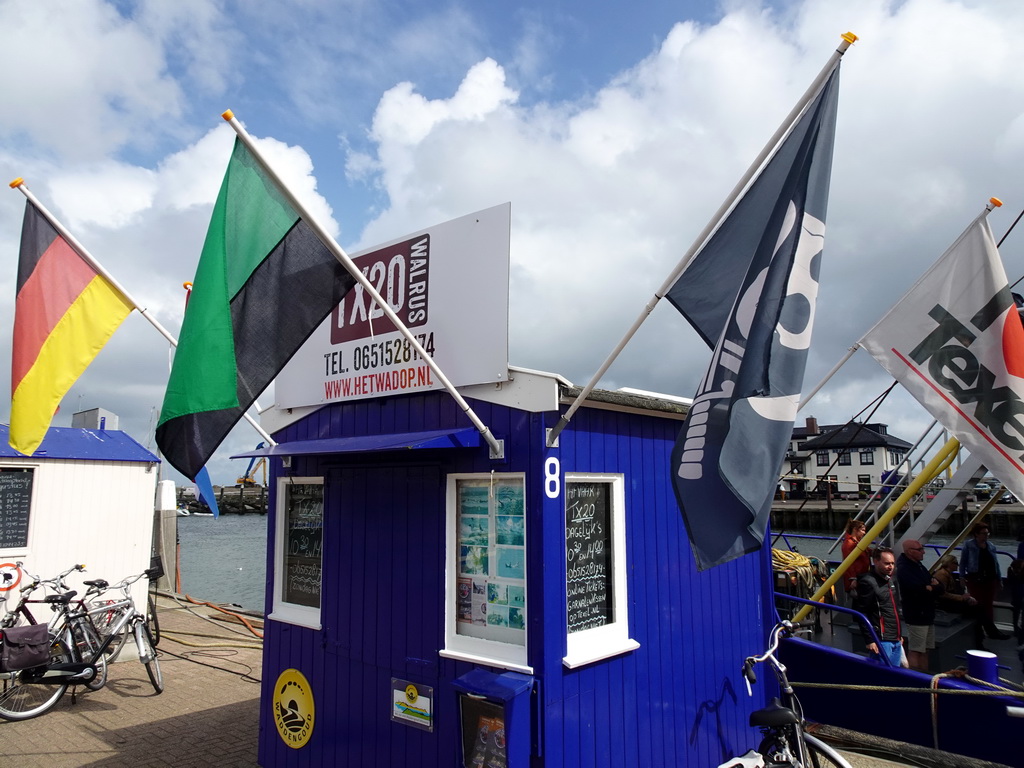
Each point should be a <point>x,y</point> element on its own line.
<point>751,294</point>
<point>956,342</point>
<point>264,283</point>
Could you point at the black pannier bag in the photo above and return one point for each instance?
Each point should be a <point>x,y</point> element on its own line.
<point>24,647</point>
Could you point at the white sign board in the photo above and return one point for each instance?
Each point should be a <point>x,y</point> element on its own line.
<point>448,284</point>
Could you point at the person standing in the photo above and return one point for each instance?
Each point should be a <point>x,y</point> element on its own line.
<point>855,530</point>
<point>920,591</point>
<point>876,593</point>
<point>981,572</point>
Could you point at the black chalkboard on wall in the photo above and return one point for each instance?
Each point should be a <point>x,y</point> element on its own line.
<point>588,555</point>
<point>304,527</point>
<point>15,507</point>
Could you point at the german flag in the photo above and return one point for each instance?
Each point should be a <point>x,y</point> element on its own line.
<point>64,313</point>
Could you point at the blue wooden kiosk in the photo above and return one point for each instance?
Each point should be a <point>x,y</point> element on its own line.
<point>429,604</point>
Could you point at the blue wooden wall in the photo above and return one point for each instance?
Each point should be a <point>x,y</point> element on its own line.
<point>677,700</point>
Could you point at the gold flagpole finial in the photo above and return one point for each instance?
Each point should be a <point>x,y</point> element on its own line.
<point>16,183</point>
<point>227,114</point>
<point>849,37</point>
<point>995,202</point>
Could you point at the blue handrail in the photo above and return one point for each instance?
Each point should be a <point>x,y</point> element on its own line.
<point>841,609</point>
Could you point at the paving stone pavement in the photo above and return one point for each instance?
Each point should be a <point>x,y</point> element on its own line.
<point>208,713</point>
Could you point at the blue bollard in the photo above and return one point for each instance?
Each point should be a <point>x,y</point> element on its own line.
<point>982,665</point>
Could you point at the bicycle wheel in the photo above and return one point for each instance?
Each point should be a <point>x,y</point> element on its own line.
<point>151,618</point>
<point>147,655</point>
<point>87,642</point>
<point>821,755</point>
<point>20,701</point>
<point>105,621</point>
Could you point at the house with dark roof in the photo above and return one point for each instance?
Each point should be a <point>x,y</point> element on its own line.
<point>853,459</point>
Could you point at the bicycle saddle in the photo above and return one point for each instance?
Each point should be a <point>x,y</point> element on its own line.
<point>65,598</point>
<point>98,583</point>
<point>774,715</point>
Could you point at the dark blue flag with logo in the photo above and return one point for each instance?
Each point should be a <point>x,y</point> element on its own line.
<point>750,293</point>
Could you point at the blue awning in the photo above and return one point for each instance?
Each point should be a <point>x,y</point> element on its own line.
<point>464,437</point>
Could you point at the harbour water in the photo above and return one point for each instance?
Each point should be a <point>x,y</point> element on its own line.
<point>223,560</point>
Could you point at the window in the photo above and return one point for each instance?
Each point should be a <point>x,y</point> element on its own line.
<point>486,584</point>
<point>844,458</point>
<point>796,467</point>
<point>895,457</point>
<point>864,484</point>
<point>867,456</point>
<point>597,620</point>
<point>297,552</point>
<point>822,457</point>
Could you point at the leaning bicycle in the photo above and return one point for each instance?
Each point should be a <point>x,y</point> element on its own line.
<point>784,738</point>
<point>33,691</point>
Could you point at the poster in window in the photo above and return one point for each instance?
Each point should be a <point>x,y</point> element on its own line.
<point>491,529</point>
<point>15,506</point>
<point>588,555</point>
<point>304,521</point>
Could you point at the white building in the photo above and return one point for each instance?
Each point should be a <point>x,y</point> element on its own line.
<point>855,458</point>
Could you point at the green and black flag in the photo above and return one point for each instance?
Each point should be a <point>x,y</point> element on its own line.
<point>264,283</point>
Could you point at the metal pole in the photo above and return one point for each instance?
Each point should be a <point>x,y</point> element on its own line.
<point>497,450</point>
<point>847,40</point>
<point>87,257</point>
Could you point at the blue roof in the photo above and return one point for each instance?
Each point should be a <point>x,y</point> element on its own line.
<point>81,444</point>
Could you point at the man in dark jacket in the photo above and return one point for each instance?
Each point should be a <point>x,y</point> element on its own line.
<point>919,591</point>
<point>876,596</point>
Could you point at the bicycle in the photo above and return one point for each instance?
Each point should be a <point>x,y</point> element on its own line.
<point>26,693</point>
<point>785,740</point>
<point>70,622</point>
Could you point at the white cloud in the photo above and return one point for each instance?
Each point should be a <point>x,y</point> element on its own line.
<point>112,119</point>
<point>88,80</point>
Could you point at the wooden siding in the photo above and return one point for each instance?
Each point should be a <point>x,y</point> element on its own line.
<point>99,513</point>
<point>677,700</point>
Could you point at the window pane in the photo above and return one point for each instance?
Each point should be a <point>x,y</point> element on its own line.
<point>588,555</point>
<point>491,542</point>
<point>303,539</point>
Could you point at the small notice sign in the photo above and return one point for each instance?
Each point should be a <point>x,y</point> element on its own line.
<point>412,704</point>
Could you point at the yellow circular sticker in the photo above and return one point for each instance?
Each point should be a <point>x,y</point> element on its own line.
<point>411,694</point>
<point>293,708</point>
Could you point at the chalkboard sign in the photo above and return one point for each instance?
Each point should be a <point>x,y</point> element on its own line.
<point>304,534</point>
<point>588,555</point>
<point>15,505</point>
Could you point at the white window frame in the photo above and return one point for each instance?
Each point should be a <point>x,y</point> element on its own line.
<point>590,645</point>
<point>478,650</point>
<point>291,613</point>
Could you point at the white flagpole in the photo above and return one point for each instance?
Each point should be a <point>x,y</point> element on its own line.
<point>497,448</point>
<point>81,250</point>
<point>847,40</point>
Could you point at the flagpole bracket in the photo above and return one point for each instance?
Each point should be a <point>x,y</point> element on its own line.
<point>498,449</point>
<point>551,438</point>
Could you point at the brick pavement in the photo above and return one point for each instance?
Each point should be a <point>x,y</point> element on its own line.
<point>208,713</point>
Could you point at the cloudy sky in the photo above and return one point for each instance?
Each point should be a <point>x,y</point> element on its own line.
<point>615,130</point>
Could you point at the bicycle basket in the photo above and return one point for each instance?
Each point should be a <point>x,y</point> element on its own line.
<point>24,647</point>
